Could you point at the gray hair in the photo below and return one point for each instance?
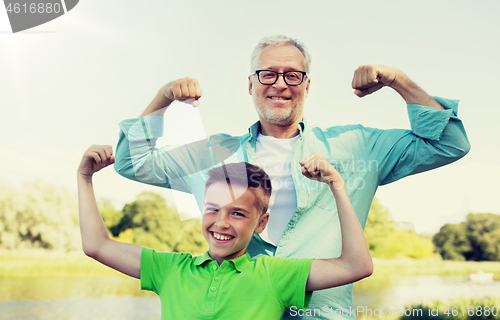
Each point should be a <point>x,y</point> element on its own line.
<point>279,40</point>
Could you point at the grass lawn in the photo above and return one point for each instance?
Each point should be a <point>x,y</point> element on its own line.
<point>75,264</point>
<point>36,263</point>
<point>434,266</point>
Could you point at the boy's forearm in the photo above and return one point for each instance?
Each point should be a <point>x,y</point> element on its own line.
<point>355,253</point>
<point>92,227</point>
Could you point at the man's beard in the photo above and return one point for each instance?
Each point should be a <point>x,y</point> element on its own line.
<point>278,116</point>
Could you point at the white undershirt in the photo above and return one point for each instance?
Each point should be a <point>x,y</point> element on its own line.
<point>274,156</point>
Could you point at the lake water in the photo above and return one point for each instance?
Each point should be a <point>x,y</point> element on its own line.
<point>120,298</point>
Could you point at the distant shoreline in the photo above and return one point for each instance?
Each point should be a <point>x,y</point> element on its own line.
<point>43,263</point>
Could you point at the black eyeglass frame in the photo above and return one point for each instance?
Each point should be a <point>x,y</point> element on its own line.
<point>304,75</point>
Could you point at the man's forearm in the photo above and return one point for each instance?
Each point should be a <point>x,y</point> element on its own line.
<point>412,93</point>
<point>158,106</point>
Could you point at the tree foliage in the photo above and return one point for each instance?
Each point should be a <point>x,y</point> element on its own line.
<point>477,239</point>
<point>386,239</point>
<point>149,222</point>
<point>452,242</point>
<point>484,235</point>
<point>39,215</point>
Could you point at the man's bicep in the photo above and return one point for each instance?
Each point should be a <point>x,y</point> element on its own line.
<point>436,138</point>
<point>141,161</point>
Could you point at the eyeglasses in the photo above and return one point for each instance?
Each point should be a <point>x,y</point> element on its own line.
<point>292,78</point>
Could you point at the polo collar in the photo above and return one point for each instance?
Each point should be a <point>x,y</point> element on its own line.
<point>239,263</point>
<point>199,260</point>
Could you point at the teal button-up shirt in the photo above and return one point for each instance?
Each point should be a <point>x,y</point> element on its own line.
<point>365,157</point>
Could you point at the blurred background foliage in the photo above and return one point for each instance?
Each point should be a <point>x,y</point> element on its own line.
<point>41,215</point>
<point>476,239</point>
<point>149,222</point>
<point>388,239</point>
<point>38,215</point>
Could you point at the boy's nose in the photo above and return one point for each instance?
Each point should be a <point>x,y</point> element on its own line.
<point>222,222</point>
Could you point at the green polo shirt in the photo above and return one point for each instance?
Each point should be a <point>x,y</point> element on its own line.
<point>243,288</point>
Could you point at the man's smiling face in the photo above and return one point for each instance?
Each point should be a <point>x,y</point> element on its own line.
<point>279,104</point>
<point>228,225</point>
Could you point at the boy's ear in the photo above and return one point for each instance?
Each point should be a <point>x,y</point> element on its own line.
<point>262,222</point>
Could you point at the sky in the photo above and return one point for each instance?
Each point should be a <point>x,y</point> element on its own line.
<point>66,84</point>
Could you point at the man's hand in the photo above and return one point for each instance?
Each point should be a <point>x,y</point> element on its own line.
<point>94,159</point>
<point>370,78</point>
<point>315,167</point>
<point>182,90</point>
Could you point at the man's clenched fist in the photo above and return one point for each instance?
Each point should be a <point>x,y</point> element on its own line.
<point>370,78</point>
<point>182,90</point>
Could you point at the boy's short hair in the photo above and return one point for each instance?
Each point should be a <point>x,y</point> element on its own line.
<point>245,174</point>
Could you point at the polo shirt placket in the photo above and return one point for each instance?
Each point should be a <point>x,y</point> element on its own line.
<point>214,288</point>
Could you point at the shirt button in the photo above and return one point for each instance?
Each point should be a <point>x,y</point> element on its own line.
<point>215,267</point>
<point>213,289</point>
<point>217,279</point>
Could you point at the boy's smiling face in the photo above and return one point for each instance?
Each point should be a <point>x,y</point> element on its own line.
<point>228,225</point>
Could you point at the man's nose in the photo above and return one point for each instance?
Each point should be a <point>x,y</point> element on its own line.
<point>280,82</point>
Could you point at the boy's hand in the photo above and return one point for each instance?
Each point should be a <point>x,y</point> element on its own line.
<point>315,167</point>
<point>182,90</point>
<point>96,158</point>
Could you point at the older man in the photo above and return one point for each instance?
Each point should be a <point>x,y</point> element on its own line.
<point>303,218</point>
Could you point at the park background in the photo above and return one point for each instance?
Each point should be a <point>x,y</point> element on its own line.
<point>66,85</point>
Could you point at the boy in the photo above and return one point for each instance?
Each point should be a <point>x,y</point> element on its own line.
<point>225,283</point>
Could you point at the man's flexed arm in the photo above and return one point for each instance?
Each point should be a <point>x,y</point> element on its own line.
<point>355,261</point>
<point>96,242</point>
<point>370,78</point>
<point>180,90</point>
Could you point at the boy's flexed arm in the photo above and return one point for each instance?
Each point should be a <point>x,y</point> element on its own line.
<point>96,242</point>
<point>355,261</point>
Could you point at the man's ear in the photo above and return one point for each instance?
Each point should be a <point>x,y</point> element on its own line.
<point>263,220</point>
<point>250,85</point>
<point>307,86</point>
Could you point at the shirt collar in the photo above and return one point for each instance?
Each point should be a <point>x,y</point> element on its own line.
<point>255,129</point>
<point>199,260</point>
<point>239,263</point>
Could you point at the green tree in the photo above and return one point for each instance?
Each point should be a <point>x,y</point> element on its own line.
<point>39,215</point>
<point>378,225</point>
<point>452,242</point>
<point>477,239</point>
<point>387,240</point>
<point>155,225</point>
<point>484,236</point>
<point>110,215</point>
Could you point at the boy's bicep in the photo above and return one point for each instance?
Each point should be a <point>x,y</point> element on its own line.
<point>328,273</point>
<point>123,257</point>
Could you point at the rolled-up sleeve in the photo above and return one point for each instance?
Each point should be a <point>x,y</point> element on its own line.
<point>179,167</point>
<point>437,137</point>
<point>137,157</point>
